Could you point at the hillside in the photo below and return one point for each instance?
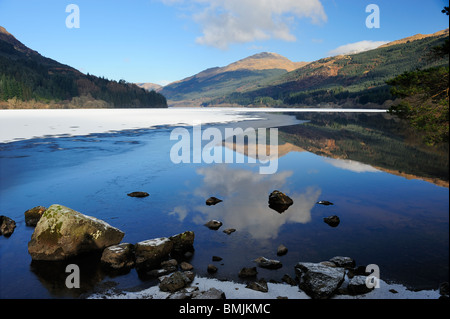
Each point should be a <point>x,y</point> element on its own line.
<point>30,80</point>
<point>356,79</point>
<point>150,86</point>
<point>235,77</point>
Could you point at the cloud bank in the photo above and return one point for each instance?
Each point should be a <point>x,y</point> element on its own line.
<point>356,47</point>
<point>226,22</point>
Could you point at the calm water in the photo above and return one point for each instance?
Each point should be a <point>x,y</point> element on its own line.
<point>391,196</point>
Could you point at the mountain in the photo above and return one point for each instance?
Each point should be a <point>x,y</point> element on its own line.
<point>150,86</point>
<point>355,79</point>
<point>30,80</point>
<point>235,77</point>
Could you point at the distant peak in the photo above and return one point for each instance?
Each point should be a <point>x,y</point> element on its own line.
<point>265,55</point>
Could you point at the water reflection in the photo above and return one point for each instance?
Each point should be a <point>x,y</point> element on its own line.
<point>245,201</point>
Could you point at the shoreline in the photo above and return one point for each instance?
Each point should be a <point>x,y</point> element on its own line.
<point>237,291</point>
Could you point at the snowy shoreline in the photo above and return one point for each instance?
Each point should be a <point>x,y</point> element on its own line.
<point>234,290</point>
<point>16,125</point>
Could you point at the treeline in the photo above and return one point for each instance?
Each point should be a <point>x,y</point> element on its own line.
<point>31,77</point>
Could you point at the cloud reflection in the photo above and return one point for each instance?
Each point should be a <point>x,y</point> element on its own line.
<point>350,165</point>
<point>245,201</point>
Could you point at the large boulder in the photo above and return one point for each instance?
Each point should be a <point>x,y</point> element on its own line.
<point>150,253</point>
<point>317,280</point>
<point>62,233</point>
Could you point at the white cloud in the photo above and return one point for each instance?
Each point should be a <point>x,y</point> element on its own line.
<point>356,47</point>
<point>224,22</point>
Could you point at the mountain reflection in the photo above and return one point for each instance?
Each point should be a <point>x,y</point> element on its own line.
<point>245,201</point>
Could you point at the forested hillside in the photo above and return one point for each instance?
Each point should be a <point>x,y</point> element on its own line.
<point>29,80</point>
<point>358,78</point>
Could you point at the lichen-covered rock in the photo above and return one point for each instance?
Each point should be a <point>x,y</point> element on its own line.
<point>33,215</point>
<point>62,233</point>
<point>150,253</point>
<point>317,280</point>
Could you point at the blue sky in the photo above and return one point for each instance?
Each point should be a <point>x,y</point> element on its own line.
<point>161,41</point>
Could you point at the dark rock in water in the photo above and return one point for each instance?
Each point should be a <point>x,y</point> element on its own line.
<point>138,194</point>
<point>175,282</point>
<point>228,231</point>
<point>186,266</point>
<point>213,224</point>
<point>33,215</point>
<point>263,262</point>
<point>150,253</point>
<point>279,201</point>
<point>260,285</point>
<point>212,269</point>
<point>345,262</point>
<point>216,258</point>
<point>183,242</point>
<point>248,272</point>
<point>288,279</point>
<point>357,286</point>
<point>333,221</point>
<point>319,281</point>
<point>444,289</point>
<point>7,226</point>
<point>118,257</point>
<point>213,201</point>
<point>282,250</point>
<point>211,293</point>
<point>324,202</point>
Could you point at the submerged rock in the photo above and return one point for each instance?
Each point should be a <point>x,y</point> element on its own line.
<point>7,226</point>
<point>317,280</point>
<point>213,201</point>
<point>332,221</point>
<point>228,231</point>
<point>63,232</point>
<point>138,194</point>
<point>279,201</point>
<point>33,215</point>
<point>248,272</point>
